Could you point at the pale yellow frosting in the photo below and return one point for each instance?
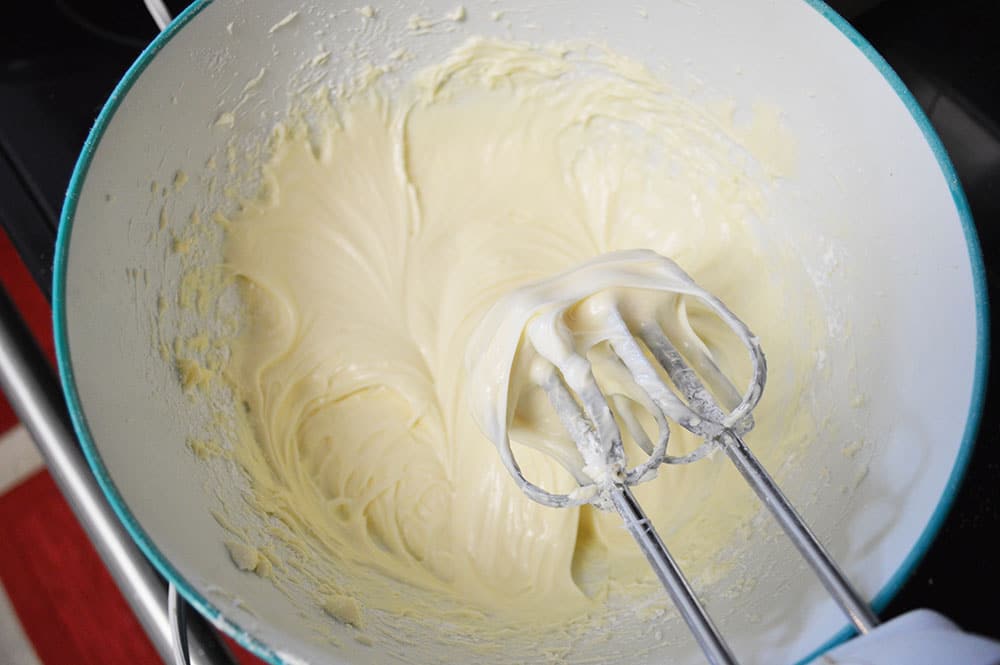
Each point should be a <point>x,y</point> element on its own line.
<point>381,239</point>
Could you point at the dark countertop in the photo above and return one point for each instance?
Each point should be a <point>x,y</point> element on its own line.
<point>60,59</point>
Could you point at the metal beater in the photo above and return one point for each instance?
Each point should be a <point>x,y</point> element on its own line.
<point>587,415</point>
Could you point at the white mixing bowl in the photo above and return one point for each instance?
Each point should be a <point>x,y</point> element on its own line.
<point>874,202</point>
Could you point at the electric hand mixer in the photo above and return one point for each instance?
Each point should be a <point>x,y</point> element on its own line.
<point>701,399</point>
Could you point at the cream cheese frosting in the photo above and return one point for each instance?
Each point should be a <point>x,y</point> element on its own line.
<point>382,237</point>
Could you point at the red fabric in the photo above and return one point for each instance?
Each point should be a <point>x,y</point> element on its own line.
<point>67,603</point>
<point>34,309</point>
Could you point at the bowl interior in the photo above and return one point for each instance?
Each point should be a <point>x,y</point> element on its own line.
<point>872,207</point>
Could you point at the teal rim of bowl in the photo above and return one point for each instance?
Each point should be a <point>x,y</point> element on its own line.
<point>241,635</point>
